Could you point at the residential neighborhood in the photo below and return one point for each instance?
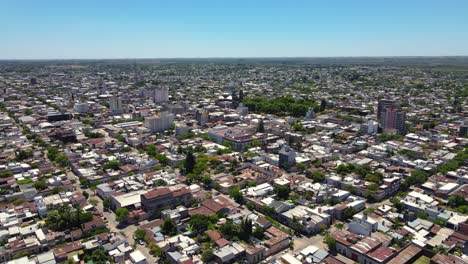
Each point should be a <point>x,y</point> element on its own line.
<point>234,161</point>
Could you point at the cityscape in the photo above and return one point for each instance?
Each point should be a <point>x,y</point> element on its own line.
<point>232,159</point>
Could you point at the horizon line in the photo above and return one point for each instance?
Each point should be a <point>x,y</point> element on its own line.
<point>241,57</point>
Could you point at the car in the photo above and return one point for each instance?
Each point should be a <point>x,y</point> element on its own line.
<point>141,242</point>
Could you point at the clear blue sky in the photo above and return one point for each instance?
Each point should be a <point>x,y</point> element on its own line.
<point>42,29</point>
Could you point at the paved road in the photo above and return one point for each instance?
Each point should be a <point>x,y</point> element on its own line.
<point>112,224</point>
<point>126,231</point>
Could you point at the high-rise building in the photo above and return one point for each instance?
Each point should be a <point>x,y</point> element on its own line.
<point>115,105</point>
<point>393,120</point>
<point>310,114</point>
<point>287,157</point>
<point>202,116</point>
<point>157,94</point>
<point>463,132</point>
<point>371,127</point>
<point>159,123</point>
<point>41,206</point>
<point>383,103</point>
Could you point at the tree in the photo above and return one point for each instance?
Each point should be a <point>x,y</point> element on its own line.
<point>52,153</point>
<point>62,160</point>
<point>66,217</point>
<point>24,154</point>
<point>261,127</point>
<point>207,255</point>
<point>236,194</point>
<point>282,191</point>
<point>422,215</point>
<point>330,242</point>
<point>121,214</point>
<point>160,182</point>
<point>97,255</point>
<point>348,213</point>
<point>317,176</point>
<point>456,201</point>
<point>139,234</point>
<point>229,229</point>
<point>199,223</point>
<point>189,162</point>
<point>397,204</point>
<point>259,233</point>
<point>106,203</point>
<point>417,176</point>
<point>40,185</point>
<point>372,187</point>
<point>156,251</point>
<point>111,164</point>
<point>245,229</point>
<point>168,227</point>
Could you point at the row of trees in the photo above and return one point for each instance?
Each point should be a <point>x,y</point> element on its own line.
<point>66,217</point>
<point>281,105</point>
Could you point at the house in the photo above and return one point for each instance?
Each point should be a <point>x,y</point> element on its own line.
<point>229,253</point>
<point>362,225</point>
<point>276,241</point>
<point>136,257</point>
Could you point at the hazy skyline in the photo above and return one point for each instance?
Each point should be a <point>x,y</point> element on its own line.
<point>191,29</point>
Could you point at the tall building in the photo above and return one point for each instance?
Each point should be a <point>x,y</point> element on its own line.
<point>371,127</point>
<point>159,123</point>
<point>202,116</point>
<point>41,206</point>
<point>115,105</point>
<point>393,120</point>
<point>287,157</point>
<point>463,132</point>
<point>157,94</point>
<point>384,103</point>
<point>310,114</point>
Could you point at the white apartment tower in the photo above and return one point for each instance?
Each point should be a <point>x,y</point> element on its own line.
<point>115,105</point>
<point>157,94</point>
<point>159,123</point>
<point>41,206</point>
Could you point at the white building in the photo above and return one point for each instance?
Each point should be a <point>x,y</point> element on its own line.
<point>41,206</point>
<point>159,123</point>
<point>136,257</point>
<point>362,225</point>
<point>157,94</point>
<point>81,107</point>
<point>115,105</point>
